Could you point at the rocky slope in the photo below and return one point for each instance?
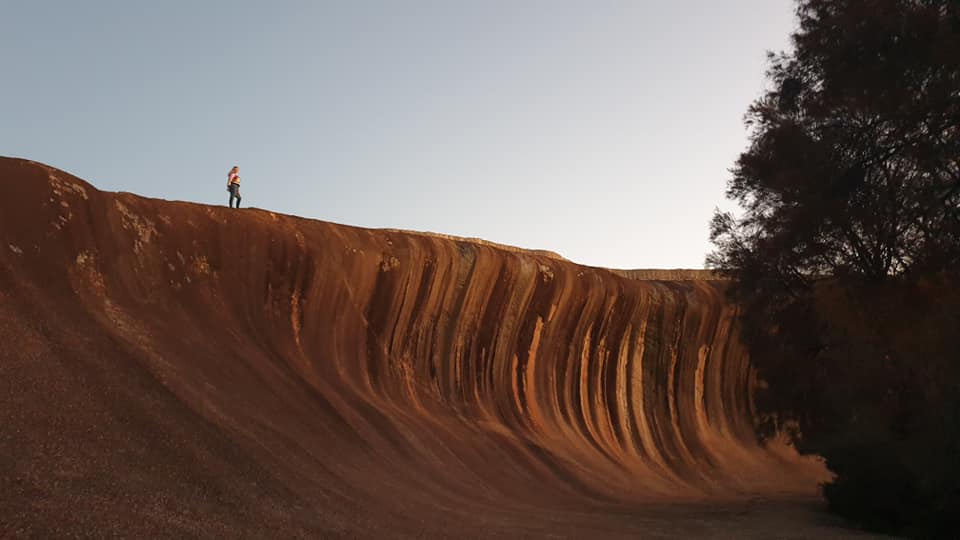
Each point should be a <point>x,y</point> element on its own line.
<point>175,369</point>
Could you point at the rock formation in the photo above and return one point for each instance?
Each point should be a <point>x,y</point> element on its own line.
<point>171,368</point>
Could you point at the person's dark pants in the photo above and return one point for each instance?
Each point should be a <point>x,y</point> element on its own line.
<point>234,193</point>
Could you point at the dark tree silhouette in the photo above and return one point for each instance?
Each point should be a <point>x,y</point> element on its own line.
<point>845,255</point>
<point>854,164</point>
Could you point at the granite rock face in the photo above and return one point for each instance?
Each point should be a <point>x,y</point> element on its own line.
<point>179,369</point>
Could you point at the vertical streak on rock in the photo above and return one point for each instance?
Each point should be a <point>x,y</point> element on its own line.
<point>531,389</point>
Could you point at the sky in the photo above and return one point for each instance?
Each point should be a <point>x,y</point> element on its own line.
<point>601,130</point>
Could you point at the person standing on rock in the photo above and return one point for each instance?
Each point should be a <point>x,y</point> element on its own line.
<point>233,185</point>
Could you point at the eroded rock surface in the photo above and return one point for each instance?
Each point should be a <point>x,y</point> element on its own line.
<point>174,369</point>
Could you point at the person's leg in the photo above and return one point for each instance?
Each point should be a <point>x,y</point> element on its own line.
<point>238,197</point>
<point>234,195</point>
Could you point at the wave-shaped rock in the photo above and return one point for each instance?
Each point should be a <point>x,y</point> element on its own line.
<point>175,368</point>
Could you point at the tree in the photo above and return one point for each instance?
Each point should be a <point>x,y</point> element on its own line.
<point>854,162</point>
<point>850,197</point>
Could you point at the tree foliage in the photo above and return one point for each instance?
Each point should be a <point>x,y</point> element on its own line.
<point>845,256</point>
<point>854,161</point>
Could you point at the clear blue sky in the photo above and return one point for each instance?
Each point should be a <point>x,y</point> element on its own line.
<point>602,130</point>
